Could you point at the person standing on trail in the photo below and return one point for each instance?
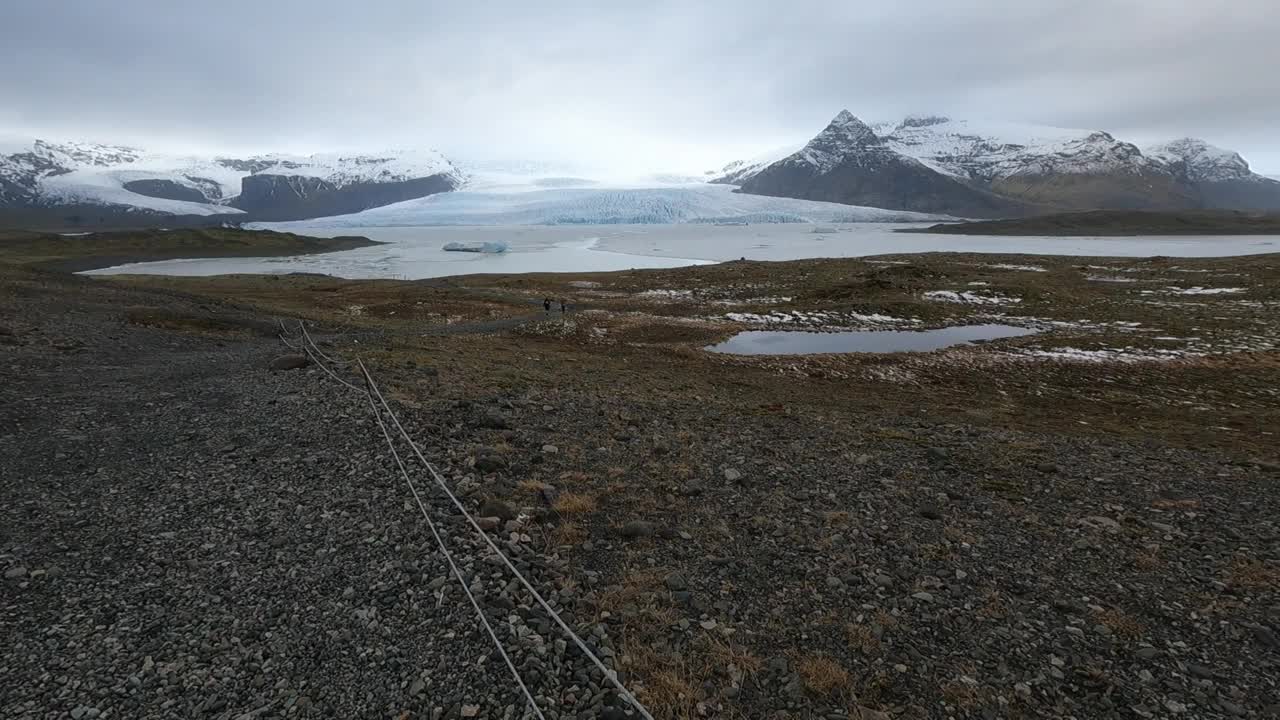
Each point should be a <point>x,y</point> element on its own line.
<point>546,305</point>
<point>561,306</point>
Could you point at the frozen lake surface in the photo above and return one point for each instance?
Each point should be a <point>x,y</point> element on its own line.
<point>800,342</point>
<point>415,252</point>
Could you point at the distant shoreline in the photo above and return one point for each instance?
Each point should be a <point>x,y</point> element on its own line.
<point>95,251</point>
<point>1118,223</point>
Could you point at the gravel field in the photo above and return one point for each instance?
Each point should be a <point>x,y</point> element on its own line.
<point>187,533</point>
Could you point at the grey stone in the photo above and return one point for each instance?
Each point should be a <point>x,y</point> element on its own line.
<point>1266,636</point>
<point>494,508</point>
<point>636,529</point>
<point>937,453</point>
<point>290,362</point>
<point>14,573</point>
<point>732,475</point>
<point>488,461</point>
<point>930,511</point>
<point>1200,671</point>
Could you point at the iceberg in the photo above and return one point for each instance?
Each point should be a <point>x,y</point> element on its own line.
<point>492,247</point>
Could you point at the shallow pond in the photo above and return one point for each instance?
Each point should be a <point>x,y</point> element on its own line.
<point>799,342</point>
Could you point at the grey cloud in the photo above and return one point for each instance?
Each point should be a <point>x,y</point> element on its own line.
<point>680,84</point>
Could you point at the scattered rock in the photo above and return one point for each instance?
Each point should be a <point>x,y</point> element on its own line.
<point>732,475</point>
<point>15,573</point>
<point>930,511</point>
<point>550,449</point>
<point>937,453</point>
<point>1101,523</point>
<point>636,529</point>
<point>489,461</point>
<point>489,523</point>
<point>493,420</point>
<point>497,509</point>
<point>290,362</point>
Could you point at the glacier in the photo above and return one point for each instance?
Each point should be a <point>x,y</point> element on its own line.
<point>676,204</point>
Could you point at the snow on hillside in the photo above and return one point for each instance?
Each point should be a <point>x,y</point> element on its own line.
<point>107,188</point>
<point>983,150</point>
<point>97,173</point>
<point>740,171</point>
<point>695,203</point>
<point>346,169</point>
<point>988,150</point>
<point>1201,161</point>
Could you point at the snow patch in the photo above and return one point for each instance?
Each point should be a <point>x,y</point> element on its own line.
<point>969,298</point>
<point>1009,266</point>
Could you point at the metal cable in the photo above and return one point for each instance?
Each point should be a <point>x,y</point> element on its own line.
<point>325,368</point>
<point>302,326</point>
<point>609,675</point>
<point>372,390</point>
<point>449,557</point>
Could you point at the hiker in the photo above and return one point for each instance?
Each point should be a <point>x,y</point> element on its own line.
<point>546,305</point>
<point>561,306</point>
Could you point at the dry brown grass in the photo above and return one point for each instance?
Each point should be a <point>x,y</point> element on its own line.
<point>886,620</point>
<point>993,606</point>
<point>960,694</point>
<point>635,585</point>
<point>681,471</point>
<point>717,655</point>
<point>1121,624</point>
<point>822,675</point>
<point>863,638</point>
<point>532,487</point>
<point>669,689</point>
<point>567,533</point>
<point>838,517</point>
<point>1147,562</point>
<point>573,477</point>
<point>1251,573</point>
<point>959,535</point>
<point>206,324</point>
<point>573,503</point>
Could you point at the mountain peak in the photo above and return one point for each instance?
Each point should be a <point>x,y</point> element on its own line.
<point>846,126</point>
<point>1202,161</point>
<point>845,135</point>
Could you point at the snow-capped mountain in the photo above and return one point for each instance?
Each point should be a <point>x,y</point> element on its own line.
<point>1201,162</point>
<point>41,175</point>
<point>849,163</point>
<point>1033,168</point>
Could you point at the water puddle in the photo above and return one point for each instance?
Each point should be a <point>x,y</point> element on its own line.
<point>798,342</point>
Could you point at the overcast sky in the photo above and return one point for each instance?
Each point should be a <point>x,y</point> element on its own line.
<point>682,85</point>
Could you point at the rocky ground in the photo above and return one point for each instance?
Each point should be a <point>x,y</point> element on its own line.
<point>988,531</point>
<point>189,534</point>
